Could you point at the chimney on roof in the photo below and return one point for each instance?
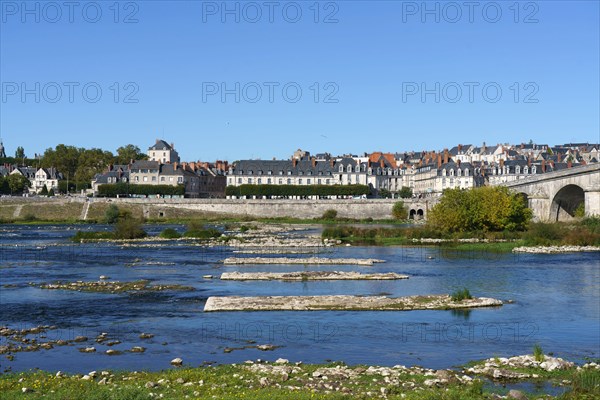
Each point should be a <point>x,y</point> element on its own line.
<point>294,162</point>
<point>459,148</point>
<point>173,145</point>
<point>331,162</point>
<point>559,157</point>
<point>445,156</point>
<point>458,163</point>
<point>543,165</point>
<point>313,161</point>
<point>501,163</point>
<point>382,163</point>
<point>439,160</point>
<point>569,164</point>
<point>175,165</point>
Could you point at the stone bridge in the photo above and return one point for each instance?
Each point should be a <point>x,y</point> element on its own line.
<point>555,196</point>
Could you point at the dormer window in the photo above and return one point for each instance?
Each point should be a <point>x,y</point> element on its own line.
<point>451,172</point>
<point>466,171</point>
<point>459,172</point>
<point>341,169</point>
<point>444,172</point>
<point>349,168</point>
<point>526,170</point>
<point>517,169</point>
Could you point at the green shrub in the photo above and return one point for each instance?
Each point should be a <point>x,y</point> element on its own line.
<point>462,294</point>
<point>538,353</point>
<point>405,192</point>
<point>399,211</point>
<point>329,215</point>
<point>81,236</point>
<point>129,228</point>
<point>44,191</point>
<point>112,190</point>
<point>111,215</point>
<point>169,233</point>
<point>480,209</point>
<point>202,233</point>
<point>51,193</point>
<point>544,234</point>
<point>29,217</point>
<point>244,228</point>
<point>579,211</point>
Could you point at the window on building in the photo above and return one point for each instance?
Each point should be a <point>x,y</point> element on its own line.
<point>153,179</point>
<point>517,169</point>
<point>250,180</point>
<point>327,181</point>
<point>259,181</point>
<point>268,181</point>
<point>289,181</point>
<point>280,181</point>
<point>300,181</point>
<point>466,171</point>
<point>308,181</point>
<point>145,179</point>
<point>239,180</point>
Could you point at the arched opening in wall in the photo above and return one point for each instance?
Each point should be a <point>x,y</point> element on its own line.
<point>412,214</point>
<point>566,203</point>
<point>420,213</point>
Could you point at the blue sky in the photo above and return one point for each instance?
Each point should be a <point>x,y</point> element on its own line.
<point>370,61</point>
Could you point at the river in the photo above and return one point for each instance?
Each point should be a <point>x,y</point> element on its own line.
<point>556,304</point>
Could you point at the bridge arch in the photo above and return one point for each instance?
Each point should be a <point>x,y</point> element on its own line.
<point>412,214</point>
<point>565,202</point>
<point>420,213</point>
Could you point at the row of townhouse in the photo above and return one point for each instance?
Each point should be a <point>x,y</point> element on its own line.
<point>426,173</point>
<point>198,182</point>
<point>163,167</point>
<point>377,172</point>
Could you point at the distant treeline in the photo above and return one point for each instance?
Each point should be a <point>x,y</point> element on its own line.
<point>293,190</point>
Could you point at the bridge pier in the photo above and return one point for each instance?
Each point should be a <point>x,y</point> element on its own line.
<point>592,202</point>
<point>540,205</point>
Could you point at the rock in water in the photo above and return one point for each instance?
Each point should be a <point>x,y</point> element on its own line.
<point>177,362</point>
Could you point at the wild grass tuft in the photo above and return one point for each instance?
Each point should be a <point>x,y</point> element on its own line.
<point>461,294</point>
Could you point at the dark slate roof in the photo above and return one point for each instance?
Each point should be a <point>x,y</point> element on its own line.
<point>160,145</point>
<point>145,164</point>
<point>52,173</point>
<point>28,172</point>
<point>169,169</point>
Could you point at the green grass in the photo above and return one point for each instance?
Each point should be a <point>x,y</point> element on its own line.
<point>237,382</point>
<point>461,294</point>
<point>538,353</point>
<point>169,233</point>
<point>81,236</point>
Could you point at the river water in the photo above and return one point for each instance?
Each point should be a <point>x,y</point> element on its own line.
<point>556,304</point>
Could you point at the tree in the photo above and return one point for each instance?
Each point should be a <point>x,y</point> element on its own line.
<point>385,194</point>
<point>51,192</point>
<point>90,163</point>
<point>20,152</point>
<point>399,211</point>
<point>64,158</point>
<point>129,227</point>
<point>17,183</point>
<point>480,209</point>
<point>405,192</point>
<point>111,215</point>
<point>44,191</point>
<point>127,153</point>
<point>4,188</point>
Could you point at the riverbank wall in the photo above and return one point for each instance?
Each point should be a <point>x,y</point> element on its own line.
<point>76,208</point>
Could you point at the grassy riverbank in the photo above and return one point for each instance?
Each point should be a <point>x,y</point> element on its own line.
<point>585,232</point>
<point>284,381</point>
